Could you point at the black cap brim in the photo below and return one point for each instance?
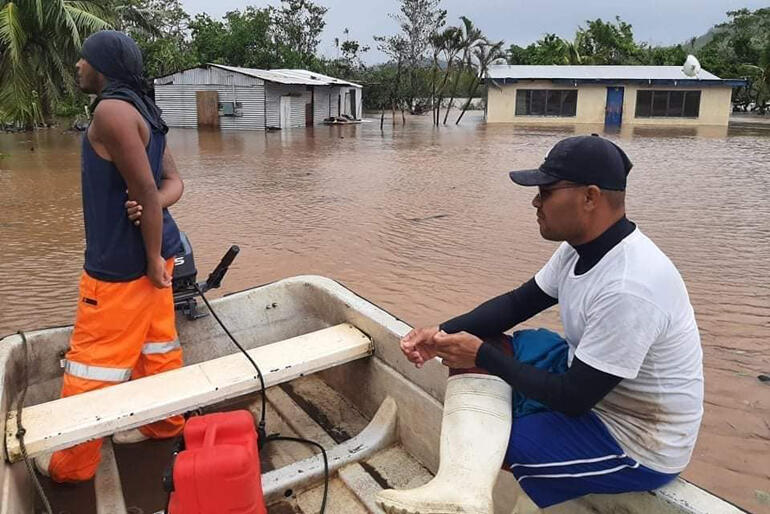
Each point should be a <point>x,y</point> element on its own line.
<point>532,178</point>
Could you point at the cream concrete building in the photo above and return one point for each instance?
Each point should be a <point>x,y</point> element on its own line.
<point>612,95</point>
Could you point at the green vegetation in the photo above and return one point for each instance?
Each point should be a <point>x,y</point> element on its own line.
<point>740,47</point>
<point>430,64</point>
<point>39,43</point>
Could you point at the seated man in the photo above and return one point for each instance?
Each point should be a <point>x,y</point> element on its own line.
<point>615,405</point>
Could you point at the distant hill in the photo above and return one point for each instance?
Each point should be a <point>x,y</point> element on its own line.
<point>700,41</point>
<point>703,40</point>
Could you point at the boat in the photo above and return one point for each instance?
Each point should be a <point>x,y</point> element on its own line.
<point>334,374</point>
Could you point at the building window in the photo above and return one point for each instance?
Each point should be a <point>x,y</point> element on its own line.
<point>546,102</point>
<point>667,104</point>
<point>230,109</point>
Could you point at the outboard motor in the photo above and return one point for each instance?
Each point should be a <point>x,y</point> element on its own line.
<point>185,276</point>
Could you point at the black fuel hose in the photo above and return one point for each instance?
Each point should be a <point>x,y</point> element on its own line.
<point>261,431</point>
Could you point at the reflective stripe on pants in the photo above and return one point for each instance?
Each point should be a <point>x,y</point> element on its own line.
<point>164,347</point>
<point>99,373</point>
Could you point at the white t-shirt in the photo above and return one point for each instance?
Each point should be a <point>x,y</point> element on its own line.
<point>630,316</point>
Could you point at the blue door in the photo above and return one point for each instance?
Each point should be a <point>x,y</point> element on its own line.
<point>614,111</point>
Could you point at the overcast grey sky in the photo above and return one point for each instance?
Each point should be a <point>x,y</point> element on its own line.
<point>515,21</point>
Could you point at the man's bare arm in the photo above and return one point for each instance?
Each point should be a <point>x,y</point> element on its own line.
<point>171,185</point>
<point>117,127</point>
<point>170,190</point>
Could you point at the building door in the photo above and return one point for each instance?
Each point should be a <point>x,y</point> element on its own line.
<point>353,110</point>
<point>207,103</point>
<point>614,111</point>
<point>285,111</point>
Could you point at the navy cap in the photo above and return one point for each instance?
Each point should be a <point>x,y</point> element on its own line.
<point>590,160</point>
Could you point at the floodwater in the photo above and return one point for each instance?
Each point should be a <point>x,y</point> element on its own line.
<point>425,223</point>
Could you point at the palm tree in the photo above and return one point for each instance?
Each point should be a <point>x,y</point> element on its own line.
<point>554,50</point>
<point>437,43</point>
<point>39,43</point>
<point>486,54</point>
<point>759,87</point>
<point>452,39</point>
<point>573,54</point>
<point>134,15</point>
<point>471,38</point>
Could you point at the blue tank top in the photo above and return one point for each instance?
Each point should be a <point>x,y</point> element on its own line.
<point>114,245</point>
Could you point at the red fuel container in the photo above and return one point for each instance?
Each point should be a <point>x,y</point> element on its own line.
<point>218,471</point>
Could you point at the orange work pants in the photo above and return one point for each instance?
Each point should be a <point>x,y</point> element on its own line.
<point>123,330</point>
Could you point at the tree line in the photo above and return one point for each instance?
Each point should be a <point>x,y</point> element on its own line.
<point>431,63</point>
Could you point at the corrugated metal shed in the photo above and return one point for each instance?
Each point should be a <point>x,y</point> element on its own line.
<point>180,109</point>
<point>555,72</point>
<point>259,93</point>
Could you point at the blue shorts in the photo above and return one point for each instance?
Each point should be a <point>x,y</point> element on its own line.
<point>555,457</point>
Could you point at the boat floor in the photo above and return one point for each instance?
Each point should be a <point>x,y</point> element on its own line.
<point>306,407</point>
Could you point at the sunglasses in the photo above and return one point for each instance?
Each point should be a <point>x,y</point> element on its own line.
<point>545,192</point>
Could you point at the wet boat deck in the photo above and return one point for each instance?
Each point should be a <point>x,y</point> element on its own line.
<point>306,407</point>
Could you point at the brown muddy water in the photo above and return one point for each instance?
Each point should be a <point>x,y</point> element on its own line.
<point>425,223</point>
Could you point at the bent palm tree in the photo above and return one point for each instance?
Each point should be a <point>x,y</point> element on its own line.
<point>452,39</point>
<point>759,86</point>
<point>486,54</point>
<point>471,38</point>
<point>437,43</point>
<point>39,43</point>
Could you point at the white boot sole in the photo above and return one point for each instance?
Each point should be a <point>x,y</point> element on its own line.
<point>132,436</point>
<point>391,506</point>
<point>455,506</point>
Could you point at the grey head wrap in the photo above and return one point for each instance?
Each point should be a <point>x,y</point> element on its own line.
<point>116,56</point>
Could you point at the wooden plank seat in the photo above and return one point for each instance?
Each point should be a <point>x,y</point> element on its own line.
<point>68,421</point>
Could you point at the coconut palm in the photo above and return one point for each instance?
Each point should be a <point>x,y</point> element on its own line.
<point>452,44</point>
<point>485,55</point>
<point>471,38</point>
<point>759,85</point>
<point>437,42</point>
<point>39,43</point>
<point>135,16</point>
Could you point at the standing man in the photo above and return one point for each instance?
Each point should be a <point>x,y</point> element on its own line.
<point>124,327</point>
<point>612,407</point>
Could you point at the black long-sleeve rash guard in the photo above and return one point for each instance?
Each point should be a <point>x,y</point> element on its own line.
<point>577,390</point>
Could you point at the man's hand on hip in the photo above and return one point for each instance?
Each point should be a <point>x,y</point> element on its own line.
<point>134,211</point>
<point>157,272</point>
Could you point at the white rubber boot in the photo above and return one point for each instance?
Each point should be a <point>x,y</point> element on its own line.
<point>474,436</point>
